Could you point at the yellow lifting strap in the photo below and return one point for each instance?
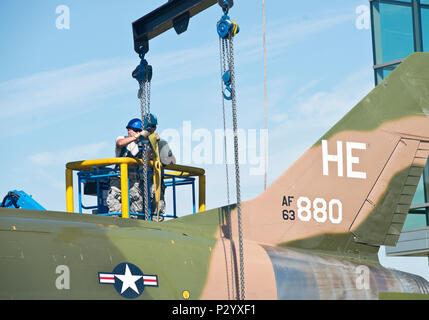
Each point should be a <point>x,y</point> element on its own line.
<point>153,139</point>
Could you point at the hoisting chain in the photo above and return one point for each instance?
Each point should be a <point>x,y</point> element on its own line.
<point>227,29</point>
<point>143,74</point>
<point>145,114</point>
<point>222,72</point>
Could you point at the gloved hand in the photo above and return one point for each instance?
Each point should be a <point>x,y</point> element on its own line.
<point>143,134</point>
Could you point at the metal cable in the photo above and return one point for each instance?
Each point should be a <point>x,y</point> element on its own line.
<point>265,94</point>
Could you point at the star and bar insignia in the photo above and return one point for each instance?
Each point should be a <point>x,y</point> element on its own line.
<point>128,280</point>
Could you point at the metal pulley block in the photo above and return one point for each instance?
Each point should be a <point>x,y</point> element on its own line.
<point>143,72</point>
<point>227,92</point>
<point>227,27</point>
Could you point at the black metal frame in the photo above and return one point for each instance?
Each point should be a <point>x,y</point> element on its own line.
<point>175,13</point>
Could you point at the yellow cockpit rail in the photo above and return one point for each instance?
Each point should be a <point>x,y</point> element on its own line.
<point>124,162</point>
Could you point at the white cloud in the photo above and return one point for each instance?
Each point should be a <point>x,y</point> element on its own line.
<point>60,157</point>
<point>57,90</point>
<point>279,117</point>
<point>283,34</point>
<point>340,98</point>
<point>306,87</point>
<point>324,107</point>
<point>50,180</point>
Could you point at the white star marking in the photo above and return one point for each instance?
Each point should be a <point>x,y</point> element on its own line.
<point>128,280</point>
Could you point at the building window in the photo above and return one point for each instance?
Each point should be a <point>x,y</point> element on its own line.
<point>418,216</point>
<point>425,28</point>
<point>396,31</point>
<point>399,28</point>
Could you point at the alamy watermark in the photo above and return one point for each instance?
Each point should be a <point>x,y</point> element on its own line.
<point>362,280</point>
<point>201,146</point>
<point>62,282</point>
<point>63,19</point>
<point>363,19</point>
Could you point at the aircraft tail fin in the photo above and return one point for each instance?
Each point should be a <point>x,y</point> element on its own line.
<point>354,185</point>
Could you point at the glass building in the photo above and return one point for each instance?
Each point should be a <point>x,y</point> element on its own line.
<point>400,28</point>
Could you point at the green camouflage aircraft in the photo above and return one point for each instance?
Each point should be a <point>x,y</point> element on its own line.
<point>314,233</point>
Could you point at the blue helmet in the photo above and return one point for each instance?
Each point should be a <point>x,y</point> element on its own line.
<point>151,122</point>
<point>135,124</point>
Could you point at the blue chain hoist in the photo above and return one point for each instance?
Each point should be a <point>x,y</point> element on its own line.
<point>143,74</point>
<point>225,25</point>
<point>227,29</point>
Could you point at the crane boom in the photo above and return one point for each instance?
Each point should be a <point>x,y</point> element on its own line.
<point>174,13</point>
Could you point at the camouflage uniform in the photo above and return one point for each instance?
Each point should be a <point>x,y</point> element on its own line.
<point>135,182</point>
<point>114,201</point>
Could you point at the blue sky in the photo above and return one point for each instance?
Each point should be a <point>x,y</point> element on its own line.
<point>66,94</point>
